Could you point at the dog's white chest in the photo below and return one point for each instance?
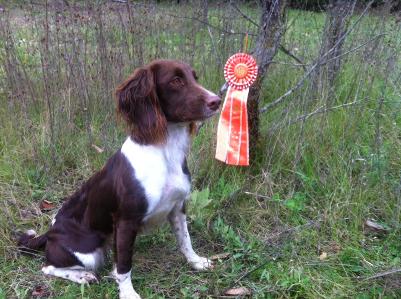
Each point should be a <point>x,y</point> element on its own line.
<point>175,191</point>
<point>159,170</point>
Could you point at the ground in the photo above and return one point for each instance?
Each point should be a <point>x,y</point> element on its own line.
<point>292,225</point>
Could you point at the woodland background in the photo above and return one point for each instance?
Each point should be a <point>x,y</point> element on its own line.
<point>316,215</point>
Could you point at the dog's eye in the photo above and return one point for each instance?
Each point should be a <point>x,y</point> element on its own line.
<point>177,81</point>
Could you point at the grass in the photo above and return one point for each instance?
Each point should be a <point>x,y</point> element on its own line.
<point>308,192</point>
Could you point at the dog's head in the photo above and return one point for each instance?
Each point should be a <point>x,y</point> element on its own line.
<point>160,92</point>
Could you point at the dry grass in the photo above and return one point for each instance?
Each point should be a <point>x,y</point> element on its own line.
<point>323,167</point>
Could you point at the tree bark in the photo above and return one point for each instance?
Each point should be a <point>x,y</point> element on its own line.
<point>205,10</point>
<point>271,30</point>
<point>338,14</point>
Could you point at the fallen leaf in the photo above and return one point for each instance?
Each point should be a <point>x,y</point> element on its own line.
<point>46,205</point>
<point>323,256</point>
<point>220,256</point>
<point>335,248</point>
<point>242,291</point>
<point>98,149</point>
<point>40,291</point>
<point>374,226</point>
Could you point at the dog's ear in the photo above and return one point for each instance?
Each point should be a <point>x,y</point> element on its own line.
<point>138,104</point>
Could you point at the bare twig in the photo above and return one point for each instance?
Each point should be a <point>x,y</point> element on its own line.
<point>319,62</point>
<point>257,195</point>
<point>321,110</point>
<point>281,47</point>
<point>214,45</point>
<point>310,223</point>
<point>287,52</point>
<point>244,15</point>
<point>301,81</point>
<point>210,25</point>
<point>382,274</point>
<point>304,117</point>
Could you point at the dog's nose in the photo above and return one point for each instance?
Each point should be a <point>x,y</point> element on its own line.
<point>213,103</point>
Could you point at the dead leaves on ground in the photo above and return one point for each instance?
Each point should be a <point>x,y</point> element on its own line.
<point>374,228</point>
<point>98,149</point>
<point>329,249</point>
<point>40,292</point>
<point>241,291</point>
<point>46,205</point>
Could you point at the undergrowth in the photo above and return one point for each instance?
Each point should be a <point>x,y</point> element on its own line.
<point>292,224</point>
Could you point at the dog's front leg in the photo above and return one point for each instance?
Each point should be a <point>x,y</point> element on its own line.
<point>178,221</point>
<point>124,238</point>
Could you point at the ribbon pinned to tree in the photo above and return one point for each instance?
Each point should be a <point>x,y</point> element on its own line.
<point>240,73</point>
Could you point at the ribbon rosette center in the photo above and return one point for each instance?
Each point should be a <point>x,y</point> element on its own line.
<point>240,72</point>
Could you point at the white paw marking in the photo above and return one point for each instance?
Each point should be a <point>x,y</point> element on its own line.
<point>87,277</point>
<point>129,294</point>
<point>72,273</point>
<point>31,232</point>
<point>201,264</point>
<point>125,285</point>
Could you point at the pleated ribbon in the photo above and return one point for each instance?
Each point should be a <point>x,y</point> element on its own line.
<point>232,148</point>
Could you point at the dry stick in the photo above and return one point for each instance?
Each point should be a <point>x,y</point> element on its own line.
<point>320,110</point>
<point>303,65</point>
<point>244,15</point>
<point>44,55</point>
<point>259,195</point>
<point>214,46</point>
<point>208,24</point>
<point>300,82</point>
<point>389,272</point>
<point>281,47</point>
<point>319,62</point>
<point>311,223</point>
<point>14,67</point>
<point>288,52</point>
<point>357,47</point>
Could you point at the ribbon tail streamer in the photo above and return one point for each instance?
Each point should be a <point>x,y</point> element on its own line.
<point>232,132</point>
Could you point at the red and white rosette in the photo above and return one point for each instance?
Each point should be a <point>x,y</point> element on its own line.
<point>240,73</point>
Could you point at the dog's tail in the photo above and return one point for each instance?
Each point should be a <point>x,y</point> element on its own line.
<point>30,241</point>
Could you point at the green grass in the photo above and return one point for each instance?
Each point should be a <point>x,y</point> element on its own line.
<point>308,192</point>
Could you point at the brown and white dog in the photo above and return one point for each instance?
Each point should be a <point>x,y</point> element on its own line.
<point>142,185</point>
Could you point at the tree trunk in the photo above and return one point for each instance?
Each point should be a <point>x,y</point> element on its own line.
<point>267,43</point>
<point>338,14</point>
<point>205,10</point>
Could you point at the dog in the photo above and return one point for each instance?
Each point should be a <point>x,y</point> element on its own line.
<point>143,185</point>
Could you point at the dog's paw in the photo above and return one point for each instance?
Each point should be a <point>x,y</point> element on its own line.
<point>129,294</point>
<point>78,276</point>
<point>31,233</point>
<point>124,285</point>
<point>87,278</point>
<point>201,264</point>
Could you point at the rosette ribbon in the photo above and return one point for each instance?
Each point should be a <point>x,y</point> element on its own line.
<point>240,73</point>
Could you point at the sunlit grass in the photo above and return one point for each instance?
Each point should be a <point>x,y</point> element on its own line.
<point>309,191</point>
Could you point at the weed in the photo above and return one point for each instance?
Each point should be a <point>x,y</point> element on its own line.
<point>314,182</point>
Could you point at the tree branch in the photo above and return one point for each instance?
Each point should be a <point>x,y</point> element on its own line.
<point>281,47</point>
<point>244,15</point>
<point>287,52</point>
<point>319,62</point>
<point>319,110</point>
<point>389,272</point>
<point>210,25</point>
